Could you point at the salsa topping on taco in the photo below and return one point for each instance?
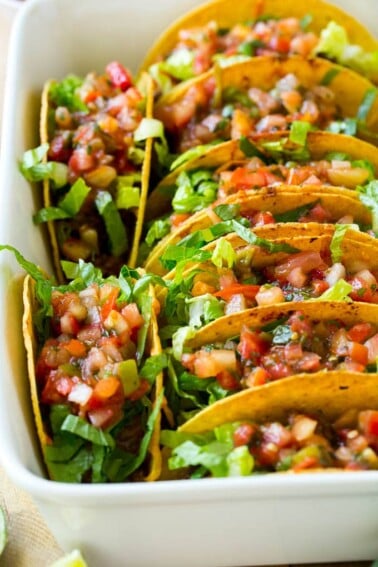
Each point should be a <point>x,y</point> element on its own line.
<point>294,345</point>
<point>302,442</point>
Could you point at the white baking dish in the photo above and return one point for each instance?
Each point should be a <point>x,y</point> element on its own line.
<point>265,520</point>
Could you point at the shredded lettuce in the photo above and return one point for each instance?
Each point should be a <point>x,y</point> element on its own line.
<point>65,93</point>
<point>224,254</point>
<point>161,78</point>
<point>128,191</point>
<point>115,228</point>
<point>78,426</point>
<point>338,292</point>
<point>179,64</point>
<point>368,195</point>
<point>179,339</point>
<point>347,126</point>
<point>299,131</point>
<point>157,231</point>
<point>203,309</point>
<point>214,451</point>
<point>68,206</point>
<point>334,44</point>
<point>337,240</point>
<point>195,191</point>
<point>34,168</point>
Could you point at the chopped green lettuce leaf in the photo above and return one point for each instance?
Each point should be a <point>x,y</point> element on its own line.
<point>224,255</point>
<point>78,426</point>
<point>157,231</point>
<point>115,228</point>
<point>65,93</point>
<point>368,195</point>
<point>299,131</point>
<point>179,339</point>
<point>152,366</point>
<point>334,44</point>
<point>34,168</point>
<point>179,64</point>
<point>203,309</point>
<point>337,240</point>
<point>338,292</point>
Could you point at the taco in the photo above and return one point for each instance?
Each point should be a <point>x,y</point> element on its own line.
<point>93,355</point>
<point>263,95</point>
<point>94,163</point>
<point>301,424</point>
<point>276,155</point>
<point>269,343</point>
<point>222,31</point>
<point>295,265</point>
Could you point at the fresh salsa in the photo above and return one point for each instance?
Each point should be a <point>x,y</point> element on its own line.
<point>300,443</point>
<point>196,118</point>
<point>297,344</point>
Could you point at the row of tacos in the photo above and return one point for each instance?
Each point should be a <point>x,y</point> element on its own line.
<point>240,174</point>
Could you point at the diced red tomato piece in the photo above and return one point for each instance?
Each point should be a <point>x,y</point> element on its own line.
<point>368,422</point>
<point>178,218</point>
<point>119,76</point>
<point>257,377</point>
<point>109,303</point>
<point>243,434</point>
<point>244,178</point>
<point>360,332</point>
<point>76,348</point>
<point>227,380</point>
<point>358,353</point>
<point>362,291</point>
<point>372,346</point>
<point>307,462</point>
<point>319,286</point>
<point>249,291</point>
<point>143,388</point>
<point>262,218</point>
<point>251,346</point>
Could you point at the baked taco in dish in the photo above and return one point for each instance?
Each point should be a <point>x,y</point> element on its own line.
<point>94,162</point>
<point>302,424</point>
<point>297,263</point>
<point>94,358</point>
<point>264,95</point>
<point>271,343</point>
<point>275,158</point>
<point>222,31</point>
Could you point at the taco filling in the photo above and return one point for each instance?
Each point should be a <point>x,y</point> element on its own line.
<point>98,401</point>
<point>210,292</point>
<point>293,345</point>
<point>300,443</point>
<point>197,118</point>
<point>199,48</point>
<point>91,143</point>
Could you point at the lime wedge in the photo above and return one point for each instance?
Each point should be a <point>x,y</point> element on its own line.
<point>3,530</point>
<point>73,559</point>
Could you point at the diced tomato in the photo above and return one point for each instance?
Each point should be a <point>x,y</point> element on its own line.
<point>57,388</point>
<point>207,364</point>
<point>244,178</point>
<point>249,291</point>
<point>91,96</point>
<point>132,315</point>
<point>227,380</point>
<point>76,348</point>
<point>358,353</point>
<point>262,218</point>
<point>109,303</point>
<point>257,377</point>
<point>276,369</point>
<point>251,346</point>
<point>306,261</point>
<point>368,422</point>
<point>279,44</point>
<point>200,288</point>
<point>69,324</point>
<point>59,149</point>
<point>362,291</point>
<point>310,362</point>
<point>106,388</point>
<point>319,287</point>
<point>118,75</point>
<point>319,214</point>
<point>360,332</point>
<point>101,417</point>
<point>372,346</point>
<point>243,434</point>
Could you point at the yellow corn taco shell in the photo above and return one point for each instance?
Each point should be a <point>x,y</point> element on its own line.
<point>32,348</point>
<point>328,394</point>
<point>146,87</point>
<point>227,13</point>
